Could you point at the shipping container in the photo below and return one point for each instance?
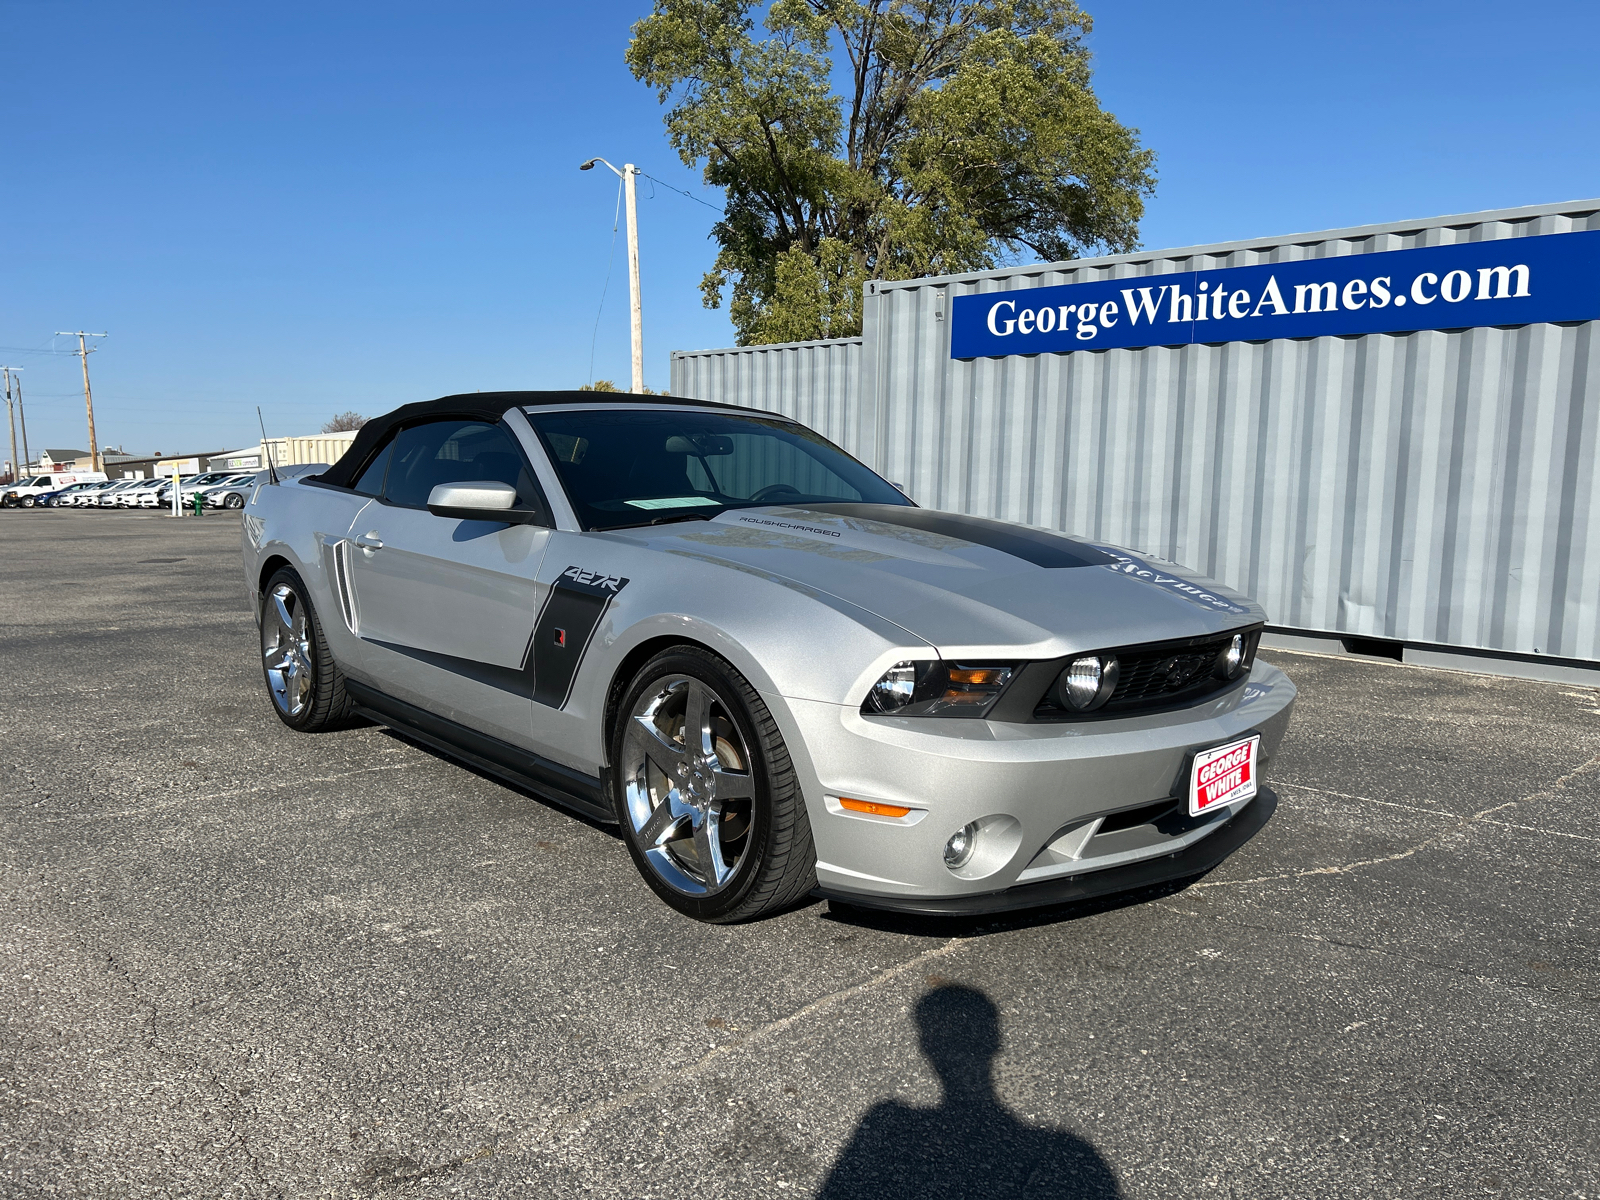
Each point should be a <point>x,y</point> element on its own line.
<point>1433,490</point>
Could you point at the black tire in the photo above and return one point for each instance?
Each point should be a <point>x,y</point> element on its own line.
<point>27,502</point>
<point>776,863</point>
<point>320,701</point>
<point>234,500</point>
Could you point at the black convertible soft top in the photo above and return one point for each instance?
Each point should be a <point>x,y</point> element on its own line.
<point>486,406</point>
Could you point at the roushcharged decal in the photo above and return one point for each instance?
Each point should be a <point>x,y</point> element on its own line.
<point>571,613</point>
<point>1505,281</point>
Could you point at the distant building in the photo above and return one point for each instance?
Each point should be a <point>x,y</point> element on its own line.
<point>63,460</point>
<point>143,467</point>
<point>246,459</point>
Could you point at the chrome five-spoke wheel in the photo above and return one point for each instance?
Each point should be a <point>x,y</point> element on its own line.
<point>688,786</point>
<point>286,651</point>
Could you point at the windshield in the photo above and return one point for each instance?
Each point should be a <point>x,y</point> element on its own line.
<point>639,467</point>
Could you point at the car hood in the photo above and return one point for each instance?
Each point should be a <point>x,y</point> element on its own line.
<point>970,586</point>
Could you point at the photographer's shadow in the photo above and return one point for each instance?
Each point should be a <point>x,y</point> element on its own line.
<point>971,1145</point>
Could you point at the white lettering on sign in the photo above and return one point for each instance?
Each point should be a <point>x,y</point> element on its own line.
<point>1010,325</point>
<point>1223,776</point>
<point>1338,295</point>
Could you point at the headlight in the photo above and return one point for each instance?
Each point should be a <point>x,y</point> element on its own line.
<point>1088,682</point>
<point>895,690</point>
<point>937,689</point>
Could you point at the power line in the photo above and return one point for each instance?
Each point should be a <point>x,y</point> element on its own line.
<point>681,192</point>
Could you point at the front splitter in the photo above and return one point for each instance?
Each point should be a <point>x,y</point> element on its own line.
<point>1194,860</point>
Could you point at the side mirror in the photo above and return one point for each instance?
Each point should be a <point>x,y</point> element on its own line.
<point>480,500</point>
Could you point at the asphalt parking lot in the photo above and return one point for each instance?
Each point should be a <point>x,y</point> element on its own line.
<point>239,961</point>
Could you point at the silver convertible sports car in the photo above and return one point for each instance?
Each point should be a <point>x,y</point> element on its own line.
<point>778,675</point>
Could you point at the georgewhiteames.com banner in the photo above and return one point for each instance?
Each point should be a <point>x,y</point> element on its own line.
<point>1511,281</point>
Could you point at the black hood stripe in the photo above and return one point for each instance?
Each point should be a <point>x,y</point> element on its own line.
<point>1037,546</point>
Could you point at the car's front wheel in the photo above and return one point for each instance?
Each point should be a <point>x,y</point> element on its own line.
<point>27,502</point>
<point>706,793</point>
<point>306,685</point>
<point>234,500</point>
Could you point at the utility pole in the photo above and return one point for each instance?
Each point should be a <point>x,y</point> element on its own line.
<point>628,174</point>
<point>16,471</point>
<point>84,350</point>
<point>22,419</point>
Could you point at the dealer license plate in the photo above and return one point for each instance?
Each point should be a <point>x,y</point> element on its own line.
<point>1223,775</point>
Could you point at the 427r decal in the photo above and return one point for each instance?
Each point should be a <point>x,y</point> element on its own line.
<point>566,624</point>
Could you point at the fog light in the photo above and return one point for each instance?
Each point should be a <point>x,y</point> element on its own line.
<point>1231,662</point>
<point>958,850</point>
<point>1088,682</point>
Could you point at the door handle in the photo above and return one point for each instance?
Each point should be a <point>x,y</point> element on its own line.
<point>370,541</point>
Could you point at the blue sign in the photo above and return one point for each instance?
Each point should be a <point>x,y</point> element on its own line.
<point>1510,281</point>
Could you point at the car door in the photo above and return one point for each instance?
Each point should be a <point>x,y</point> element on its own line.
<point>445,607</point>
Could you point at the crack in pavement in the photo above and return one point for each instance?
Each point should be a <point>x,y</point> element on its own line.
<point>1476,818</point>
<point>224,795</point>
<point>569,1123</point>
<point>1415,960</point>
<point>1437,812</point>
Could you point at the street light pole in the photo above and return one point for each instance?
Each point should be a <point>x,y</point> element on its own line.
<point>628,174</point>
<point>84,350</point>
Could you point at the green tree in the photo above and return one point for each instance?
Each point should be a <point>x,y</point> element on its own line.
<point>967,135</point>
<point>605,385</point>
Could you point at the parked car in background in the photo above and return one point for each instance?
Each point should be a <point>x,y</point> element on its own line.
<point>54,499</point>
<point>231,493</point>
<point>88,498</point>
<point>188,485</point>
<point>127,497</point>
<point>143,495</point>
<point>110,496</point>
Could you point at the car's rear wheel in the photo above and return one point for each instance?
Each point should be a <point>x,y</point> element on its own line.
<point>706,793</point>
<point>306,685</point>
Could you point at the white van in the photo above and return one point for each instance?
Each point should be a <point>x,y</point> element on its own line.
<point>23,492</point>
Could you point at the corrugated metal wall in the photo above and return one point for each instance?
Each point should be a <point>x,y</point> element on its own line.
<point>308,448</point>
<point>1432,487</point>
<point>816,383</point>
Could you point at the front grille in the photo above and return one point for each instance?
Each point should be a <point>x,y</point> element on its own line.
<point>1163,675</point>
<point>1159,674</point>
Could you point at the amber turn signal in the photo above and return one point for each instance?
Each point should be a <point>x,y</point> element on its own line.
<point>873,808</point>
<point>980,676</point>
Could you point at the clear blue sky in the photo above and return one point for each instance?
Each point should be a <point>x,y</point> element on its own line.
<point>353,206</point>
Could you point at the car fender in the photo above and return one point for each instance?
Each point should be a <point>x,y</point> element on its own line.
<point>785,639</point>
<point>299,525</point>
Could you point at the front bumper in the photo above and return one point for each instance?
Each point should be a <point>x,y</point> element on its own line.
<point>1197,859</point>
<point>1057,804</point>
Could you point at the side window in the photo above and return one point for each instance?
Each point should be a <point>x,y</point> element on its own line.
<point>457,451</point>
<point>370,481</point>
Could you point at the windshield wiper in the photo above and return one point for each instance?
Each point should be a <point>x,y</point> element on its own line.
<point>694,516</point>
